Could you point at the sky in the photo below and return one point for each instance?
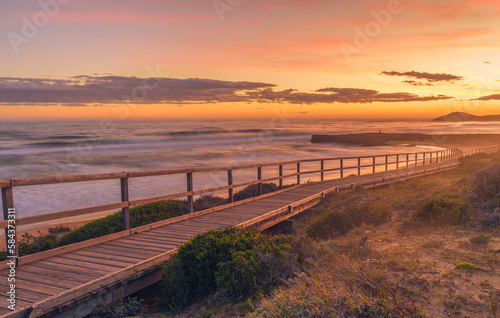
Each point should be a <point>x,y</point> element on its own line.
<point>248,59</point>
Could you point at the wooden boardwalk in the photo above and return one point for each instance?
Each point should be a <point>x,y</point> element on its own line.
<point>73,280</point>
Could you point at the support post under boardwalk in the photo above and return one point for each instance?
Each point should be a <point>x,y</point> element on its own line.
<point>125,198</point>
<point>189,189</point>
<point>9,209</point>
<point>230,183</point>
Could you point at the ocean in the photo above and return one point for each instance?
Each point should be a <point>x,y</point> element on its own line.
<point>52,148</point>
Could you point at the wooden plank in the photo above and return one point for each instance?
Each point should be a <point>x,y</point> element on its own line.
<point>34,286</point>
<point>163,241</point>
<point>4,311</point>
<point>57,274</point>
<point>64,249</point>
<point>142,242</point>
<point>141,247</point>
<point>121,252</point>
<point>172,234</point>
<point>19,305</point>
<point>24,294</point>
<point>41,279</point>
<point>74,266</point>
<point>93,262</point>
<point>99,258</point>
<point>154,237</point>
<point>136,252</point>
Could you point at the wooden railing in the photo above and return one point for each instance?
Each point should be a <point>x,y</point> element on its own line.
<point>342,166</point>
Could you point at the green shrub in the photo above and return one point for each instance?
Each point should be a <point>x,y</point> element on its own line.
<point>253,191</point>
<point>140,215</point>
<point>337,222</point>
<point>206,202</point>
<point>122,308</point>
<point>30,244</point>
<point>486,187</point>
<point>233,262</point>
<point>465,265</point>
<point>443,210</point>
<point>481,238</point>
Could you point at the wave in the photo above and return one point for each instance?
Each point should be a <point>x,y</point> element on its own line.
<point>210,131</point>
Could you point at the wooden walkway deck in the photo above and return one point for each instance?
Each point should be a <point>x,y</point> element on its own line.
<point>71,281</point>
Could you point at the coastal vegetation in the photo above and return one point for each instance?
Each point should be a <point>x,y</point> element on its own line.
<point>418,248</point>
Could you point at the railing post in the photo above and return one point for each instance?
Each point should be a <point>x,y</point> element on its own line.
<point>373,167</point>
<point>230,183</point>
<point>322,170</point>
<point>397,162</point>
<point>386,163</point>
<point>9,209</point>
<point>341,168</point>
<point>423,159</point>
<point>125,198</point>
<point>430,159</point>
<point>281,175</point>
<point>416,159</point>
<point>407,160</point>
<point>189,189</point>
<point>259,177</point>
<point>298,172</point>
<point>359,166</point>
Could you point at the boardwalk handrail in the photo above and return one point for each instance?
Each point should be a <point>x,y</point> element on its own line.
<point>361,164</point>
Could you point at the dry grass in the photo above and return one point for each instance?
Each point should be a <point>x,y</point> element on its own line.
<point>383,271</point>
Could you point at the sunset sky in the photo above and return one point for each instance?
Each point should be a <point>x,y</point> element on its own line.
<point>248,58</point>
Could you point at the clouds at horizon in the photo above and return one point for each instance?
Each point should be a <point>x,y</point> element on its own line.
<point>429,78</point>
<point>82,90</point>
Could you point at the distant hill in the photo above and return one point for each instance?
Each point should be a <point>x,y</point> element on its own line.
<point>460,116</point>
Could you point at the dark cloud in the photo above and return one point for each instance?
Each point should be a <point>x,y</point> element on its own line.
<point>97,90</point>
<point>429,77</point>
<point>489,97</point>
<point>109,89</point>
<point>415,83</point>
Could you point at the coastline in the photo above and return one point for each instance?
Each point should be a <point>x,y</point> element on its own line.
<point>410,140</point>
